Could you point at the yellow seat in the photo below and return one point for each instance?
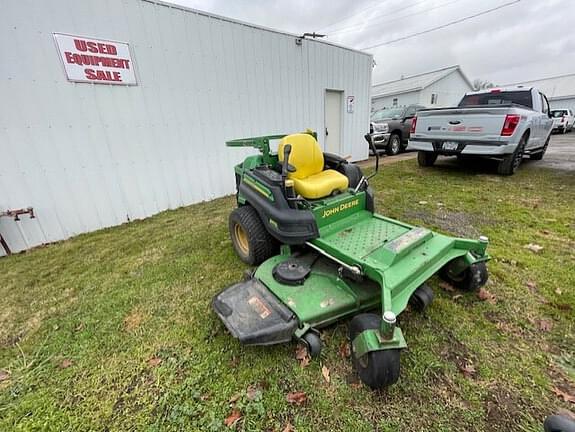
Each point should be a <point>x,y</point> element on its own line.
<point>310,179</point>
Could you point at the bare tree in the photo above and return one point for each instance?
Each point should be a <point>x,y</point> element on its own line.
<point>479,84</point>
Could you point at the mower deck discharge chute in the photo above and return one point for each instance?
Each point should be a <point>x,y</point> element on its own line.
<point>307,219</point>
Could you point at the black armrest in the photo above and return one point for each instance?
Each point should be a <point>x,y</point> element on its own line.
<point>333,160</point>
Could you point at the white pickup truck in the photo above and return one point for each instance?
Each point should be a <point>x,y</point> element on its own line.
<point>502,123</point>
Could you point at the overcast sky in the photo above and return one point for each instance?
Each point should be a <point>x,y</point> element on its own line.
<point>528,40</point>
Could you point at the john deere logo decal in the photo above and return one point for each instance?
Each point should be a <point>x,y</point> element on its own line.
<point>344,206</point>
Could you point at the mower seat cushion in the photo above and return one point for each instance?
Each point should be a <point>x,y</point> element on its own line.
<point>310,179</point>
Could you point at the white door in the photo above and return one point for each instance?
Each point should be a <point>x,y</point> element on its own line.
<point>333,108</point>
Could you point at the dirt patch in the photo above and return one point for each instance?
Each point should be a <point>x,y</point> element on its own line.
<point>503,409</point>
<point>133,320</point>
<point>458,354</point>
<point>457,223</point>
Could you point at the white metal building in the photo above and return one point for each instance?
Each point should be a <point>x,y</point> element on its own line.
<point>560,90</point>
<point>88,153</point>
<point>438,88</point>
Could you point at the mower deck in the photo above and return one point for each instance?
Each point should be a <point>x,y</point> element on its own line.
<point>401,257</point>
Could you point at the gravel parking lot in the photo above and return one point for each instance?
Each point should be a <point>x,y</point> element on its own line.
<point>560,153</point>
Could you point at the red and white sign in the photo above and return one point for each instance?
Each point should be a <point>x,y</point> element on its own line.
<point>96,61</point>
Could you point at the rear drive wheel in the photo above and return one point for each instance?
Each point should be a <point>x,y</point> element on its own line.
<point>426,159</point>
<point>377,369</point>
<point>511,162</point>
<point>250,239</point>
<point>470,279</point>
<point>394,145</point>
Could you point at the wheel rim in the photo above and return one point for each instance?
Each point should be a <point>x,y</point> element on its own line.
<point>394,144</point>
<point>241,239</point>
<point>518,157</point>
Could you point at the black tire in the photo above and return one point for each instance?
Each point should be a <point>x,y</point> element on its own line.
<point>394,145</point>
<point>558,423</point>
<point>470,279</point>
<point>539,155</point>
<point>510,163</point>
<point>421,298</point>
<point>251,241</point>
<point>352,172</point>
<point>426,159</point>
<point>313,344</point>
<point>376,369</point>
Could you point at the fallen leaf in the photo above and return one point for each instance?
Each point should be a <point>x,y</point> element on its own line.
<point>288,428</point>
<point>325,373</point>
<point>302,355</point>
<point>545,325</point>
<point>531,285</point>
<point>534,247</point>
<point>558,291</point>
<point>232,418</point>
<point>344,349</point>
<point>446,286</point>
<point>65,364</point>
<point>235,398</point>
<point>154,361</point>
<point>485,295</point>
<point>457,297</point>
<point>234,362</point>
<point>297,398</point>
<point>252,392</point>
<point>467,369</point>
<point>79,327</point>
<point>563,395</point>
<point>4,375</point>
<point>422,202</point>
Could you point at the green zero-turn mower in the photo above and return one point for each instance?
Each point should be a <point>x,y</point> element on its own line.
<point>307,219</point>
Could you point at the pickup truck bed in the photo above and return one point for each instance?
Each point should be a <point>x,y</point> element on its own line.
<point>497,128</point>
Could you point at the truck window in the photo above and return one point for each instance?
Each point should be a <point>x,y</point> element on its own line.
<point>498,98</point>
<point>409,112</point>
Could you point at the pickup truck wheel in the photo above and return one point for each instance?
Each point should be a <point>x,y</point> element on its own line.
<point>394,146</point>
<point>510,163</point>
<point>426,159</point>
<point>539,155</point>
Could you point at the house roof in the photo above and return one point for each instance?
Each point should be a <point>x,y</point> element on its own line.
<point>414,82</point>
<point>557,87</point>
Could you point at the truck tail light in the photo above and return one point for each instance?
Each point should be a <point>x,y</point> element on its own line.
<point>510,124</point>
<point>413,124</point>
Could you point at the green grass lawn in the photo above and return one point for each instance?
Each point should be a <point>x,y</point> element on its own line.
<point>114,331</point>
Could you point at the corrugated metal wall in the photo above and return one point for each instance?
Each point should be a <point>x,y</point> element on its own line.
<point>89,156</point>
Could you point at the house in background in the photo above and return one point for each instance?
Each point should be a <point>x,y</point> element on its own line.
<point>560,90</point>
<point>438,88</point>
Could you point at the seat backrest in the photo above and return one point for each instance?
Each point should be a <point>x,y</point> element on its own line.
<point>305,156</point>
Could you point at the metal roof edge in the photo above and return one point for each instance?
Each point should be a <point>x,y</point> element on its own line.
<point>380,95</point>
<point>414,76</point>
<point>246,24</point>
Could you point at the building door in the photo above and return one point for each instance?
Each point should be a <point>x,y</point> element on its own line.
<point>333,108</point>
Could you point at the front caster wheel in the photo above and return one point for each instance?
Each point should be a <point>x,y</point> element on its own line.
<point>376,369</point>
<point>421,298</point>
<point>313,344</point>
<point>470,279</point>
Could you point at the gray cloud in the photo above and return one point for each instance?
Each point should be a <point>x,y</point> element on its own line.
<point>529,40</point>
